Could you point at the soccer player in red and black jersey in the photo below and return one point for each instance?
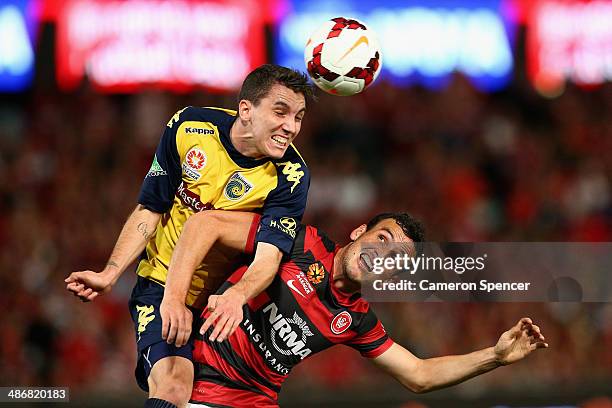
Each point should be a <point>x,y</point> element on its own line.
<point>313,304</point>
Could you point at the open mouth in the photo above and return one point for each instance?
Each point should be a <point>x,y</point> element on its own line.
<point>280,141</point>
<point>366,262</point>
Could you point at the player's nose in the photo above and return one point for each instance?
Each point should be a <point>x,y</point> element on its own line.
<point>289,126</point>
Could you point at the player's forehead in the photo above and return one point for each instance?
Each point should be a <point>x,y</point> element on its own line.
<point>391,227</point>
<point>283,97</point>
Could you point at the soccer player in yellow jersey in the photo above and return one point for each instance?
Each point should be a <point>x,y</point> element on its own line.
<point>209,158</point>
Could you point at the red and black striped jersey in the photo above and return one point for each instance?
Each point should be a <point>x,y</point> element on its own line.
<point>301,313</point>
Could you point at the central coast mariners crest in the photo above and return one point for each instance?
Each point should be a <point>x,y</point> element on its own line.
<point>237,187</point>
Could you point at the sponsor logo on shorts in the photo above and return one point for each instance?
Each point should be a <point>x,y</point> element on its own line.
<point>237,187</point>
<point>144,318</point>
<point>341,322</point>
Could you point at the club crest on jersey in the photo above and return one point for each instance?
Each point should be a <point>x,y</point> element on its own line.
<point>315,273</point>
<point>341,322</point>
<point>237,187</point>
<point>288,335</point>
<point>195,160</point>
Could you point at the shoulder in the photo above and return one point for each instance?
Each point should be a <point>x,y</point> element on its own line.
<point>217,116</point>
<point>311,240</point>
<point>293,174</point>
<point>292,155</point>
<point>314,237</point>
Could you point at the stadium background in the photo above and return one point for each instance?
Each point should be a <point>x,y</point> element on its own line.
<point>513,160</point>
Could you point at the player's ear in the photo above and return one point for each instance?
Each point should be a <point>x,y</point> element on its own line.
<point>357,232</point>
<point>244,110</point>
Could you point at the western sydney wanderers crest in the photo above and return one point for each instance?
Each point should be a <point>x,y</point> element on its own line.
<point>315,273</point>
<point>341,322</point>
<point>195,160</point>
<point>237,187</point>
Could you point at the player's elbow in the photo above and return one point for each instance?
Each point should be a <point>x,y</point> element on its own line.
<point>417,380</point>
<point>415,387</point>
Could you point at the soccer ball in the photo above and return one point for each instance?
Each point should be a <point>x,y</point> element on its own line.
<point>343,56</point>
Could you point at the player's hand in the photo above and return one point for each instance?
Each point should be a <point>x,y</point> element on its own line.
<point>87,285</point>
<point>519,341</point>
<point>176,321</point>
<point>225,314</point>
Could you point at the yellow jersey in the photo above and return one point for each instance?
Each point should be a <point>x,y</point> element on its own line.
<point>196,168</point>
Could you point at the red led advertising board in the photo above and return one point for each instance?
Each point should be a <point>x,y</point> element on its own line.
<point>569,41</point>
<point>123,46</point>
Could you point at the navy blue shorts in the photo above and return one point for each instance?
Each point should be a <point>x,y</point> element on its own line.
<point>144,308</point>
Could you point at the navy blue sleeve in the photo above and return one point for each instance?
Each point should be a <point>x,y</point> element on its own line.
<point>164,176</point>
<point>284,207</point>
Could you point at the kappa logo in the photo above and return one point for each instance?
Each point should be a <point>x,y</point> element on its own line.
<point>287,225</point>
<point>293,173</point>
<point>237,187</point>
<point>144,318</point>
<point>175,118</point>
<point>195,160</point>
<point>315,273</point>
<point>284,333</point>
<point>341,322</point>
<point>199,131</point>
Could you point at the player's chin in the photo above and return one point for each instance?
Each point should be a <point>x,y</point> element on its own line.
<point>276,150</point>
<point>355,273</point>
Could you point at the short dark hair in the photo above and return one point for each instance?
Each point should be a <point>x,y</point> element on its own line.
<point>412,227</point>
<point>258,82</point>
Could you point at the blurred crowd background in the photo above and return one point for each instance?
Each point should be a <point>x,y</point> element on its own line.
<point>504,166</point>
<point>473,167</point>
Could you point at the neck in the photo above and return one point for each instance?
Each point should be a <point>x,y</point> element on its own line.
<point>341,280</point>
<point>243,140</point>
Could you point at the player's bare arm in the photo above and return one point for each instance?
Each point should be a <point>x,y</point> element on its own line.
<point>226,309</point>
<point>423,375</point>
<point>138,229</point>
<point>201,232</point>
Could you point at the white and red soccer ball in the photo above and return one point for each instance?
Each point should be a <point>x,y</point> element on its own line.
<point>343,56</point>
